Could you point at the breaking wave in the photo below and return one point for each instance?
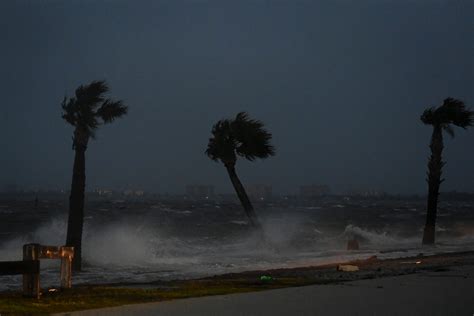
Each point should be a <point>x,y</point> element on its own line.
<point>124,251</point>
<point>376,239</point>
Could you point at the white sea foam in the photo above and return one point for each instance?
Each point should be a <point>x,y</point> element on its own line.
<point>52,233</point>
<point>371,237</point>
<point>138,252</point>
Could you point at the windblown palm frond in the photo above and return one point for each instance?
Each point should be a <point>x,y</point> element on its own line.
<point>110,110</point>
<point>428,116</point>
<point>253,141</point>
<point>70,110</point>
<point>455,112</point>
<point>452,111</point>
<point>222,143</point>
<point>241,136</point>
<point>89,108</point>
<point>92,94</point>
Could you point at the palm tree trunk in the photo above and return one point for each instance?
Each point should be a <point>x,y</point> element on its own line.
<point>244,199</point>
<point>435,166</point>
<point>76,206</point>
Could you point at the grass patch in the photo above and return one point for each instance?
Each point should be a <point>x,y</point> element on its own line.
<point>89,297</point>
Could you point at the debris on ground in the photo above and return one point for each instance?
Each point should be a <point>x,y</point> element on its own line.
<point>266,278</point>
<point>347,268</point>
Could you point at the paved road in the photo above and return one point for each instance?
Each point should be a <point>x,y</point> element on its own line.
<point>434,293</point>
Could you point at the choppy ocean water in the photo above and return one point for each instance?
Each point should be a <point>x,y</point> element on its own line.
<point>135,242</point>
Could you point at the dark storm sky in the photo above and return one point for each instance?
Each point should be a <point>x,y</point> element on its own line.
<point>340,84</point>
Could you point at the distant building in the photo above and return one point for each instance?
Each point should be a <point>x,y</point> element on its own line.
<point>368,193</point>
<point>103,192</point>
<point>133,193</point>
<point>314,191</point>
<point>200,191</point>
<point>260,192</point>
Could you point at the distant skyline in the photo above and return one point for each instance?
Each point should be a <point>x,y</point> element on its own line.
<point>11,188</point>
<point>340,84</point>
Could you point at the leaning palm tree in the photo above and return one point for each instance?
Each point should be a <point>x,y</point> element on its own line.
<point>86,112</point>
<point>451,112</point>
<point>242,137</point>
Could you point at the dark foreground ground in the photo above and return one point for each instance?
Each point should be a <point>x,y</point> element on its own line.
<point>443,292</point>
<point>411,284</point>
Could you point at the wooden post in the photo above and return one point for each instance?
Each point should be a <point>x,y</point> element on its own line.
<point>31,281</point>
<point>67,253</point>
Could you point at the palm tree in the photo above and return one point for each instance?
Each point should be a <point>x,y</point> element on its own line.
<point>452,112</point>
<point>86,112</point>
<point>242,137</point>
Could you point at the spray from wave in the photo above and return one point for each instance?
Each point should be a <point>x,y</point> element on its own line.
<point>127,251</point>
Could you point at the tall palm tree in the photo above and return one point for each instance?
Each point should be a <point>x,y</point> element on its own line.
<point>242,137</point>
<point>451,112</point>
<point>86,112</point>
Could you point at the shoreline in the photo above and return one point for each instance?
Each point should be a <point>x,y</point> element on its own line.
<point>370,267</point>
<point>93,296</point>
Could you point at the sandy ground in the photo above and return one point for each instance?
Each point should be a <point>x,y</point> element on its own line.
<point>446,292</point>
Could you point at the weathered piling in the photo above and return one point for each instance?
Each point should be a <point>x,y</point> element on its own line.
<point>31,281</point>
